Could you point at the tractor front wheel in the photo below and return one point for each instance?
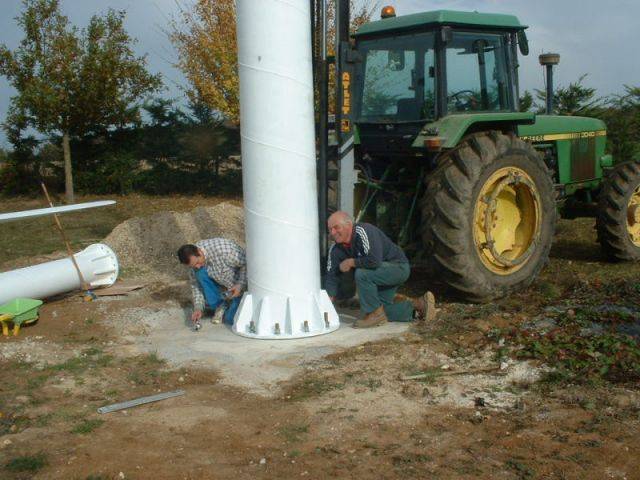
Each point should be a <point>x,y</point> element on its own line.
<point>488,216</point>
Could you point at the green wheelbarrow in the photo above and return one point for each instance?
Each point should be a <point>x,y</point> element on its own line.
<point>20,311</point>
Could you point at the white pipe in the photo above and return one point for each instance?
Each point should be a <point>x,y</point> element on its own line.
<point>279,174</point>
<point>40,212</point>
<point>98,264</point>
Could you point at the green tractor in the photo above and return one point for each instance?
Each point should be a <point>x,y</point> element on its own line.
<point>448,164</point>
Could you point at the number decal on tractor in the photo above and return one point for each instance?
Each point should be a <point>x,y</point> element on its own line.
<point>564,136</point>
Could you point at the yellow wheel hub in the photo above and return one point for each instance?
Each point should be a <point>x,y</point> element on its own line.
<point>506,221</point>
<point>633,217</point>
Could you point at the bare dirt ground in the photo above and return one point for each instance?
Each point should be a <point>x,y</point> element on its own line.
<point>497,396</point>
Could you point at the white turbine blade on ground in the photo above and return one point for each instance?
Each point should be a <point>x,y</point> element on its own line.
<point>40,212</point>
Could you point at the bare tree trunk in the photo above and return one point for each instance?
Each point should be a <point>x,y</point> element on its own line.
<point>68,174</point>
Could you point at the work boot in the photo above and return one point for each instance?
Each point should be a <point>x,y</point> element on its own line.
<point>425,307</point>
<point>373,319</point>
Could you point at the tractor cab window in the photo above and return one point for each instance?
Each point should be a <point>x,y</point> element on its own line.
<point>477,78</point>
<point>398,79</point>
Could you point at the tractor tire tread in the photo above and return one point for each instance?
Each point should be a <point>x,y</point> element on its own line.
<point>611,219</point>
<point>447,203</point>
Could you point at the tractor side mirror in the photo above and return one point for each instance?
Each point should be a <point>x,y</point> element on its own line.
<point>395,60</point>
<point>523,43</point>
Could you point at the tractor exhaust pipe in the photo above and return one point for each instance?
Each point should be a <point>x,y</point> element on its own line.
<point>549,60</point>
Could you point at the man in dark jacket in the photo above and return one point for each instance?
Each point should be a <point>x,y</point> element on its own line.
<point>380,268</point>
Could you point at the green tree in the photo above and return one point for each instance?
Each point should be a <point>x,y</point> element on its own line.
<point>71,82</point>
<point>622,117</point>
<point>576,99</point>
<point>160,139</point>
<point>209,141</point>
<point>526,101</point>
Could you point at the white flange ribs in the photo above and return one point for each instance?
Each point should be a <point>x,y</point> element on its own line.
<point>284,298</point>
<point>98,264</point>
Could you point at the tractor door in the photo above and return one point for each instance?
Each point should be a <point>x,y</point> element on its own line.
<point>395,86</point>
<point>477,77</point>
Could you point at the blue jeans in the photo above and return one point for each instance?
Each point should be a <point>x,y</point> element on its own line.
<point>213,295</point>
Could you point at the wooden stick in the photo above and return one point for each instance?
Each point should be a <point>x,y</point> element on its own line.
<point>445,373</point>
<point>83,283</point>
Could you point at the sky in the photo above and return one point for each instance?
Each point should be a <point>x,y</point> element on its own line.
<point>591,36</point>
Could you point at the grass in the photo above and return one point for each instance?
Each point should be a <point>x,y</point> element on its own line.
<point>294,432</point>
<point>547,289</point>
<point>410,465</point>
<point>36,382</point>
<point>585,346</point>
<point>371,383</point>
<point>410,458</point>
<point>313,387</point>
<point>72,365</point>
<point>431,374</point>
<point>82,228</point>
<point>522,471</point>
<point>87,426</point>
<point>43,420</point>
<point>146,370</point>
<point>77,365</point>
<point>90,365</point>
<point>27,463</point>
<point>91,351</point>
<point>150,360</point>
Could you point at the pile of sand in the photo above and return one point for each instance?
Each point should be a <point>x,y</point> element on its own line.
<point>147,245</point>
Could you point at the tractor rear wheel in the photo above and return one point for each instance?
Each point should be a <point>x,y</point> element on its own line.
<point>488,215</point>
<point>618,221</point>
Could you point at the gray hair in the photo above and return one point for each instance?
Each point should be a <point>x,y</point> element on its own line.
<point>343,216</point>
<point>347,218</point>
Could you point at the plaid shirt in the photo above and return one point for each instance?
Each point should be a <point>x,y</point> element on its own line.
<point>226,264</point>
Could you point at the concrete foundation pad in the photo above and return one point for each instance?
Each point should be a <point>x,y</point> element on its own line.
<point>257,365</point>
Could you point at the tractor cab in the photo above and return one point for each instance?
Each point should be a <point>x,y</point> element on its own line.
<point>416,69</point>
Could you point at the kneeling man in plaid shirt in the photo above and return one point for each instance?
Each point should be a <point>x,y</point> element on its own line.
<point>218,275</point>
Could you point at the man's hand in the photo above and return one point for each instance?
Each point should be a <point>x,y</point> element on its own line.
<point>196,315</point>
<point>235,291</point>
<point>347,265</point>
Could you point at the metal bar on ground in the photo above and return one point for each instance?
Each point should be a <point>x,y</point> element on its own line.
<point>40,212</point>
<point>139,401</point>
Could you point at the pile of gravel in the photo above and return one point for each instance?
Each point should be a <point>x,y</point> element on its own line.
<point>146,246</point>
